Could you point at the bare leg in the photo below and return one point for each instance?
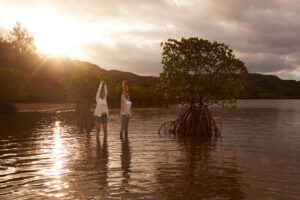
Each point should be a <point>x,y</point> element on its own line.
<point>98,127</point>
<point>105,129</point>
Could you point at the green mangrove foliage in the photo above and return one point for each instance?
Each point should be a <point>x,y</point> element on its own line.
<point>199,73</point>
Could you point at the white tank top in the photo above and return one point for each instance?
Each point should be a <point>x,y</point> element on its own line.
<point>128,104</point>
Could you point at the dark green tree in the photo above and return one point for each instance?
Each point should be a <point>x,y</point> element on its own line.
<point>199,73</point>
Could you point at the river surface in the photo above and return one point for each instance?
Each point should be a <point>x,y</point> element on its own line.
<point>45,155</point>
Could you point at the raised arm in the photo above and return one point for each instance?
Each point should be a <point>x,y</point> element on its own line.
<point>98,92</point>
<point>105,90</point>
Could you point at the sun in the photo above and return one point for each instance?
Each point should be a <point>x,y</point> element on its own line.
<point>54,34</point>
<point>60,38</point>
<point>58,46</point>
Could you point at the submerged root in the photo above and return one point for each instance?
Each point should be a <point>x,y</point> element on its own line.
<point>195,121</point>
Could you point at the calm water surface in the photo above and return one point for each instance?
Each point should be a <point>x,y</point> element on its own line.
<point>44,155</point>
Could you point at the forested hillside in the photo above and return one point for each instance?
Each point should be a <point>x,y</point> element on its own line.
<point>26,76</point>
<point>258,86</point>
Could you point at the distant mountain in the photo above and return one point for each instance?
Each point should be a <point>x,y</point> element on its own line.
<point>116,76</point>
<point>50,80</point>
<point>257,86</point>
<point>270,87</point>
<point>44,80</point>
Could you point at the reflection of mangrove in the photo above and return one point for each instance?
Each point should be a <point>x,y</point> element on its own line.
<point>125,161</point>
<point>199,175</point>
<point>21,123</point>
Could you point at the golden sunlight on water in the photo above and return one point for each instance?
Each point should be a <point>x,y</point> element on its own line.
<point>58,154</point>
<point>57,151</point>
<point>57,127</point>
<point>47,156</point>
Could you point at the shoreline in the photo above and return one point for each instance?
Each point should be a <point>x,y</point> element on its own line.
<point>41,107</point>
<point>44,107</point>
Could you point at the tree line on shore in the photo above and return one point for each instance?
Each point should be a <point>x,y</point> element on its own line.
<point>26,76</point>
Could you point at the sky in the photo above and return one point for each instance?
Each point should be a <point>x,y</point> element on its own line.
<point>126,34</point>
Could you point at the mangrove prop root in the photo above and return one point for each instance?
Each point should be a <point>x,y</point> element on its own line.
<point>192,121</point>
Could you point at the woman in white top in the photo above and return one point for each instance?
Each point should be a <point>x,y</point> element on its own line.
<point>101,111</point>
<point>125,109</point>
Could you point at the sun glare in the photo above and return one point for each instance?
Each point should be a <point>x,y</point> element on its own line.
<point>60,34</point>
<point>57,46</point>
<point>57,127</point>
<point>66,37</point>
<point>59,38</point>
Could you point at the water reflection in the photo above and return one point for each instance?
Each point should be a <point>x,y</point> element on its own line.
<point>102,165</point>
<point>22,124</point>
<point>200,174</point>
<point>58,154</point>
<point>88,176</point>
<point>125,163</point>
<point>48,154</point>
<point>57,127</point>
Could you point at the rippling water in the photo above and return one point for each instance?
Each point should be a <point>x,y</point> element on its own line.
<point>44,155</point>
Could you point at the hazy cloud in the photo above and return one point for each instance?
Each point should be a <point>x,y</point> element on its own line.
<point>126,57</point>
<point>268,63</point>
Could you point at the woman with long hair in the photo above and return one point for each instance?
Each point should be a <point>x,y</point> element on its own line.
<point>101,111</point>
<point>125,109</point>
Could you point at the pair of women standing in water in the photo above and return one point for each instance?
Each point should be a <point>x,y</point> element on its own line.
<point>101,110</point>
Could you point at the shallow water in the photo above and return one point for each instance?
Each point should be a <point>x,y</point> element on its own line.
<point>44,155</point>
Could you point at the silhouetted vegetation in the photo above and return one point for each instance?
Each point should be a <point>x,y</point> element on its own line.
<point>26,76</point>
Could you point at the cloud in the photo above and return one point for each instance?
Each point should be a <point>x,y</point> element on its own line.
<point>125,56</point>
<point>268,63</point>
<point>288,75</point>
<point>265,34</point>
